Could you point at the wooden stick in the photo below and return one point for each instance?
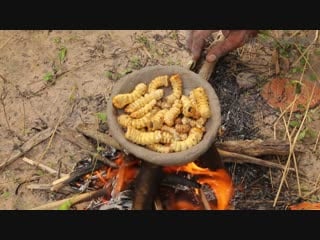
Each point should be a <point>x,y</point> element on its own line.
<point>207,68</point>
<point>147,186</point>
<point>240,158</point>
<point>158,204</point>
<point>204,200</point>
<point>72,200</point>
<point>89,131</point>
<point>67,178</point>
<point>76,138</point>
<point>39,186</point>
<point>41,166</point>
<point>256,147</point>
<point>33,141</point>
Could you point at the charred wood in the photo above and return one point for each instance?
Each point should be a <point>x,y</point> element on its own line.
<point>147,186</point>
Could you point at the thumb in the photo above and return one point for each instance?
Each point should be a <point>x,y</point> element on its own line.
<point>219,50</point>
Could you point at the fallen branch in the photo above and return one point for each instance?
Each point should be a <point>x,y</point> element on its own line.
<point>33,141</point>
<point>41,166</point>
<point>76,138</point>
<point>89,131</point>
<point>73,200</point>
<point>257,147</point>
<point>241,158</point>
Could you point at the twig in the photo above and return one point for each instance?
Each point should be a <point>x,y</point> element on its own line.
<point>89,131</point>
<point>312,192</point>
<point>204,200</point>
<point>24,117</point>
<point>39,186</point>
<point>316,143</point>
<point>2,99</point>
<point>76,138</point>
<point>35,140</point>
<point>72,200</point>
<point>293,143</point>
<point>240,158</point>
<point>158,204</point>
<point>41,166</point>
<point>293,34</point>
<point>55,128</point>
<point>6,42</point>
<point>147,52</point>
<point>307,49</point>
<point>308,63</point>
<point>280,117</point>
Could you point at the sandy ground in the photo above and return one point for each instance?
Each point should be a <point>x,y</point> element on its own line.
<point>62,78</point>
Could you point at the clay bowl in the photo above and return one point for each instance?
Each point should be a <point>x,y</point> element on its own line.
<point>190,80</point>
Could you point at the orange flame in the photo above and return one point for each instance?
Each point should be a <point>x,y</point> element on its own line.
<point>125,174</point>
<point>219,181</point>
<point>184,205</point>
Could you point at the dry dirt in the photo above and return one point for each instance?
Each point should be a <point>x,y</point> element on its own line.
<point>62,78</point>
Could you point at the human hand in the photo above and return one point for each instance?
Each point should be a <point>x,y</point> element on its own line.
<point>233,39</point>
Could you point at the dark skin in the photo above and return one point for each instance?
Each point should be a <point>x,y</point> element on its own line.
<point>233,40</point>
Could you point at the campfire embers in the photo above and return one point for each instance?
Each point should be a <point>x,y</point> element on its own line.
<point>138,185</point>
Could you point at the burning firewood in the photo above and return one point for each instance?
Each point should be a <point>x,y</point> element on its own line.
<point>146,189</point>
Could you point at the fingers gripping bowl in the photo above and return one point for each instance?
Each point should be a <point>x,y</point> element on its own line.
<point>190,81</point>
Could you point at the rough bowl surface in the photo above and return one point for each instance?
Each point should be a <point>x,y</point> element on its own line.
<point>190,80</point>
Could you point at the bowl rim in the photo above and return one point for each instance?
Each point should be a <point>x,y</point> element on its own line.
<point>164,159</point>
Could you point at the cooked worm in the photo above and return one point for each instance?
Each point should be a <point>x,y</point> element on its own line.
<point>176,84</point>
<point>157,147</point>
<point>144,110</point>
<point>141,137</point>
<point>193,138</point>
<point>202,101</point>
<point>157,120</point>
<point>121,100</point>
<point>140,102</point>
<point>161,81</point>
<point>126,121</point>
<point>173,113</point>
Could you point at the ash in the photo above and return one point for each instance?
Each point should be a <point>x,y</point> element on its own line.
<point>237,108</point>
<point>123,201</point>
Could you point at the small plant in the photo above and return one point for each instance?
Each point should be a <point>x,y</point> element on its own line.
<point>62,54</point>
<point>135,62</point>
<point>313,77</point>
<point>5,195</point>
<point>317,51</point>
<point>143,40</point>
<point>297,70</point>
<point>102,117</point>
<point>48,77</point>
<point>57,40</point>
<point>173,35</point>
<point>297,85</point>
<point>115,75</point>
<point>108,74</point>
<point>307,132</point>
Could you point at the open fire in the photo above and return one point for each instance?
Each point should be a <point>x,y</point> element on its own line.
<point>133,184</point>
